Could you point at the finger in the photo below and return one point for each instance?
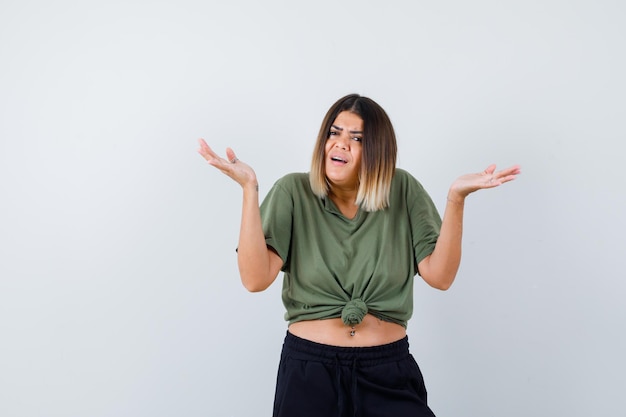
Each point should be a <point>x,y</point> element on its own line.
<point>203,145</point>
<point>490,169</point>
<point>205,150</point>
<point>507,178</point>
<point>230,155</point>
<point>515,170</point>
<point>511,171</point>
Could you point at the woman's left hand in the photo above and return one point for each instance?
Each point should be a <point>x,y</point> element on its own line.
<point>489,178</point>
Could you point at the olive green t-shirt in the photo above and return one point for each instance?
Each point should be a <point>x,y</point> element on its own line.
<point>340,267</point>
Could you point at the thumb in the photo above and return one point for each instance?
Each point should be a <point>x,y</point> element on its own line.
<point>230,154</point>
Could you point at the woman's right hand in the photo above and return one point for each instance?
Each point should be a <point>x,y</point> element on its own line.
<point>232,166</point>
<point>258,264</point>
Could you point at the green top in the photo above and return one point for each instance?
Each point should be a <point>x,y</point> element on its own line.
<point>340,267</point>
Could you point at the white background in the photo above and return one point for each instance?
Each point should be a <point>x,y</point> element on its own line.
<point>119,293</point>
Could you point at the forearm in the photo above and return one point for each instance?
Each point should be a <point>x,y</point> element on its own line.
<point>252,253</point>
<point>439,268</point>
<point>444,262</point>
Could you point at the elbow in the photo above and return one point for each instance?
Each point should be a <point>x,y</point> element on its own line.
<point>437,275</point>
<point>254,285</point>
<point>254,289</point>
<point>441,283</point>
<point>443,286</point>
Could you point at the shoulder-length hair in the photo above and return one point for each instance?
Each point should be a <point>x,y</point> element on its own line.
<point>378,156</point>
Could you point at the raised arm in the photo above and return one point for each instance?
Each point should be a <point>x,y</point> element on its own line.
<point>258,265</point>
<point>439,268</point>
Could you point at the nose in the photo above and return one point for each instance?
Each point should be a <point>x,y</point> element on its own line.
<point>343,142</point>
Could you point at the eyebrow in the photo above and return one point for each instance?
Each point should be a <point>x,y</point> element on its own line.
<point>358,132</point>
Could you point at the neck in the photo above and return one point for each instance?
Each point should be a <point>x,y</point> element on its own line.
<point>345,201</point>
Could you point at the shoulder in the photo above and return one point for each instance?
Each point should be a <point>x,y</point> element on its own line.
<point>295,184</point>
<point>293,178</point>
<point>407,190</point>
<point>406,181</point>
<point>295,181</point>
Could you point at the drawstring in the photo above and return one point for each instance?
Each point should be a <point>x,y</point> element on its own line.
<point>354,390</point>
<point>339,390</point>
<point>340,393</point>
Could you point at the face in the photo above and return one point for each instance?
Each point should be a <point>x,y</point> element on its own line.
<point>343,151</point>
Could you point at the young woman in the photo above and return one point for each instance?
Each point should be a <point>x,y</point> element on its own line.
<point>349,236</point>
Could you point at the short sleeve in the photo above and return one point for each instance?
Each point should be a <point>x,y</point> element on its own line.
<point>277,220</point>
<point>425,221</point>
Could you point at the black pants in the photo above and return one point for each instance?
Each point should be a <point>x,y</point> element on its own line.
<point>317,380</point>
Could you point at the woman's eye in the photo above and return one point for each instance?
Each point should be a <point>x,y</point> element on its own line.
<point>358,139</point>
<point>331,133</point>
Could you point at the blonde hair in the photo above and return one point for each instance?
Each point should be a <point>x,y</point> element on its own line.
<point>378,158</point>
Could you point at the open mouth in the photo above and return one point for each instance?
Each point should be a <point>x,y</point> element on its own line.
<point>338,159</point>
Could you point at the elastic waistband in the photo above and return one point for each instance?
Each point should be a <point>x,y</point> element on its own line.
<point>299,348</point>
